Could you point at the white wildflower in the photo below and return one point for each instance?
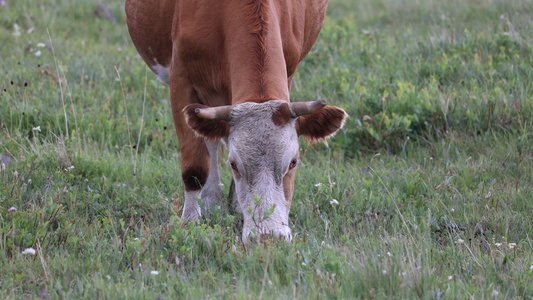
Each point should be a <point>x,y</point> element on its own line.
<point>494,293</point>
<point>41,45</point>
<point>334,202</point>
<point>16,30</point>
<point>323,244</point>
<point>384,272</point>
<point>389,254</point>
<point>453,210</point>
<point>318,184</point>
<point>29,181</point>
<point>498,244</point>
<point>16,174</point>
<point>450,277</point>
<point>38,53</point>
<point>512,245</point>
<point>154,273</point>
<point>108,277</point>
<point>28,251</point>
<point>304,264</point>
<point>459,241</point>
<point>38,128</point>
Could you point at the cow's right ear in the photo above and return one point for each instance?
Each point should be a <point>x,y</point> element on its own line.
<point>204,125</point>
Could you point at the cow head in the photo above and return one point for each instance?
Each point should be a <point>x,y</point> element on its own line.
<point>262,139</point>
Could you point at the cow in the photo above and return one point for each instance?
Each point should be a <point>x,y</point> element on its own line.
<point>229,65</point>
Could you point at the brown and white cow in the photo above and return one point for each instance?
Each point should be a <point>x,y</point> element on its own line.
<point>229,65</point>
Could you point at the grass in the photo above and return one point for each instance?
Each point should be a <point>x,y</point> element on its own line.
<point>432,172</point>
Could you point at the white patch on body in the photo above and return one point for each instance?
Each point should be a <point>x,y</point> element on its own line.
<point>162,72</point>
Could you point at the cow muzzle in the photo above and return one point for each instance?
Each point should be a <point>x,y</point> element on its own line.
<point>252,232</point>
<point>264,221</point>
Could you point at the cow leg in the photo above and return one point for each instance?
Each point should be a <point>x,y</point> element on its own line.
<point>191,209</point>
<point>232,197</point>
<point>194,153</point>
<point>232,194</point>
<point>194,172</point>
<point>212,192</point>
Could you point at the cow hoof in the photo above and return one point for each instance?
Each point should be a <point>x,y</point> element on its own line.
<point>212,197</point>
<point>189,219</point>
<point>191,213</point>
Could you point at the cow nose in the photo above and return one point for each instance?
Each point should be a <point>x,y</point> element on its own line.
<point>267,238</point>
<point>268,235</point>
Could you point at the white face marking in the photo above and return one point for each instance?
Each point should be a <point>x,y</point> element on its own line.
<point>162,72</point>
<point>262,153</point>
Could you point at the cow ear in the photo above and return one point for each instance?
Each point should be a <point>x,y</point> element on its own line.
<point>209,129</point>
<point>321,124</point>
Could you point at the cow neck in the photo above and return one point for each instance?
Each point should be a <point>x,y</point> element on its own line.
<point>255,55</point>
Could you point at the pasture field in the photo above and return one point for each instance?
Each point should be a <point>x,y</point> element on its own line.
<point>427,192</point>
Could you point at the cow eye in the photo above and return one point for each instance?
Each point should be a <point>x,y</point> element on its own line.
<point>234,166</point>
<point>294,163</point>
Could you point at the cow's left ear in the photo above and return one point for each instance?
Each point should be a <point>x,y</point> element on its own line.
<point>321,124</point>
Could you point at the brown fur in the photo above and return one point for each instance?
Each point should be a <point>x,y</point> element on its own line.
<point>320,125</point>
<point>259,28</point>
<point>282,116</point>
<point>232,51</point>
<point>288,187</point>
<point>209,129</point>
<point>141,30</point>
<point>194,178</point>
<point>223,52</point>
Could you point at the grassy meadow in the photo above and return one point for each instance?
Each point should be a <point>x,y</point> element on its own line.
<point>426,193</point>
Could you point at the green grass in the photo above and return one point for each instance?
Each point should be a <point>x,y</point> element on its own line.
<point>432,172</point>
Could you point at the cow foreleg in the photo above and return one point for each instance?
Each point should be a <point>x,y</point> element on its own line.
<point>194,172</point>
<point>212,192</point>
<point>194,153</point>
<point>193,180</point>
